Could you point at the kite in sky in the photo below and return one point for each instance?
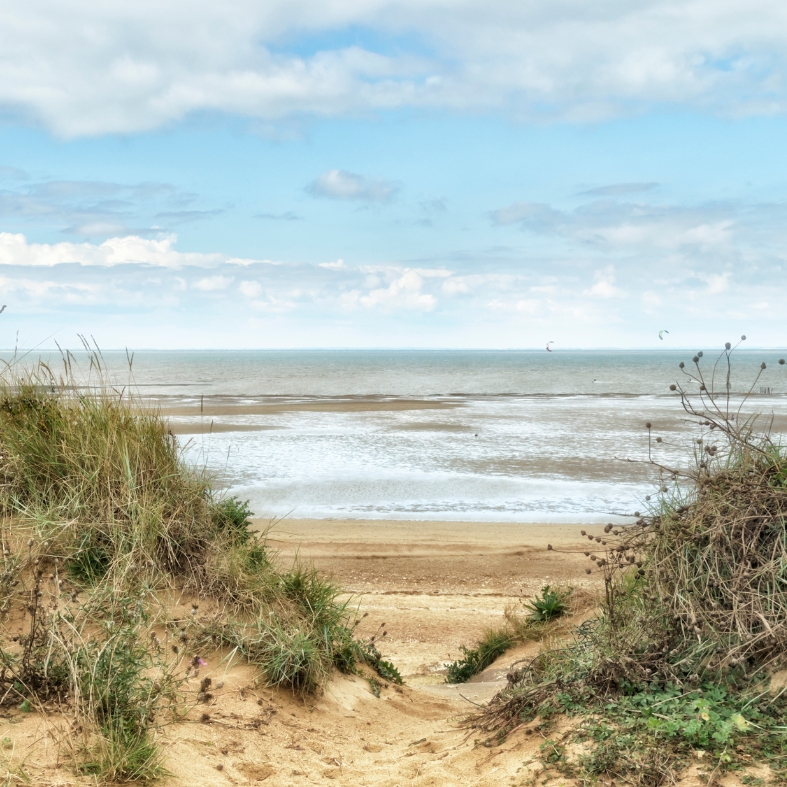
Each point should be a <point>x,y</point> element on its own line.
<point>548,350</point>
<point>661,334</point>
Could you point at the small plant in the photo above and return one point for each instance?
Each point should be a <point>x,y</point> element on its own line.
<point>550,604</point>
<point>232,517</point>
<point>120,686</point>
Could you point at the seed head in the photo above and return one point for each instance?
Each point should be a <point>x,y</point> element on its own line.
<point>727,345</point>
<point>696,359</point>
<point>588,571</point>
<point>781,361</point>
<point>699,354</point>
<point>743,338</point>
<point>762,366</point>
<point>584,533</point>
<point>682,365</point>
<point>647,424</point>
<point>673,387</point>
<point>549,546</point>
<point>658,439</point>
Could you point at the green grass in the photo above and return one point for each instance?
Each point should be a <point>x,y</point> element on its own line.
<point>493,645</point>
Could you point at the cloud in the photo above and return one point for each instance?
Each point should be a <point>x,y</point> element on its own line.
<point>435,205</point>
<point>614,226</point>
<point>287,216</point>
<point>604,286</point>
<point>402,292</point>
<point>93,209</point>
<point>16,250</point>
<point>717,282</point>
<point>338,184</point>
<point>338,265</point>
<point>213,283</point>
<point>619,189</point>
<point>251,289</point>
<point>101,68</point>
<point>12,173</point>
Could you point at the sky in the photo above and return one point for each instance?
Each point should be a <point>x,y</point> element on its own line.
<point>393,173</point>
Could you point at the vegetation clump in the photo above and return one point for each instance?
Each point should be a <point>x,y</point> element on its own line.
<point>103,525</point>
<point>694,618</point>
<point>550,604</point>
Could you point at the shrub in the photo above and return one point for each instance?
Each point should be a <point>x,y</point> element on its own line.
<point>694,615</point>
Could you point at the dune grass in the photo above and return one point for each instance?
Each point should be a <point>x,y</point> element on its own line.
<point>676,667</point>
<point>103,523</point>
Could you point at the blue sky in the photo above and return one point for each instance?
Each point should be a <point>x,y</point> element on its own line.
<point>392,173</point>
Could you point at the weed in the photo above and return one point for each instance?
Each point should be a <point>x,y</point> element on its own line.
<point>550,604</point>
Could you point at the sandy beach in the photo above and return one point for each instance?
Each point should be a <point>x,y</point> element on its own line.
<point>436,585</point>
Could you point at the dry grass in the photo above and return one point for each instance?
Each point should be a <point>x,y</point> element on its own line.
<point>695,602</point>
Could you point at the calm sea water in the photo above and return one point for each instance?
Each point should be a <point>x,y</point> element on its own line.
<point>513,436</point>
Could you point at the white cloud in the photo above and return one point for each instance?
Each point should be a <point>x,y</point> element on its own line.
<point>95,67</point>
<point>16,250</point>
<point>251,289</point>
<point>604,286</point>
<point>338,184</point>
<point>213,283</point>
<point>613,225</point>
<point>403,292</point>
<point>717,282</point>
<point>338,265</point>
<point>456,287</point>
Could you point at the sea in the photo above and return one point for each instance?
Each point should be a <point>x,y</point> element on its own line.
<point>487,436</point>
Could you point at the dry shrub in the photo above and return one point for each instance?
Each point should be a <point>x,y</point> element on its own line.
<point>695,595</point>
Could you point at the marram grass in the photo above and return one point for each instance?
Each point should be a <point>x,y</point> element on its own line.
<point>102,522</point>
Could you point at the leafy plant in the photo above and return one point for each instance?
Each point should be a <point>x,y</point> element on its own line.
<point>550,604</point>
<point>233,517</point>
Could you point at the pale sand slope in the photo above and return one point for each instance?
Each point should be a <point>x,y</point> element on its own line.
<point>436,586</point>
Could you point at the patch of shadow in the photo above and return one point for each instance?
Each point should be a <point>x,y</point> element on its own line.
<point>202,428</point>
